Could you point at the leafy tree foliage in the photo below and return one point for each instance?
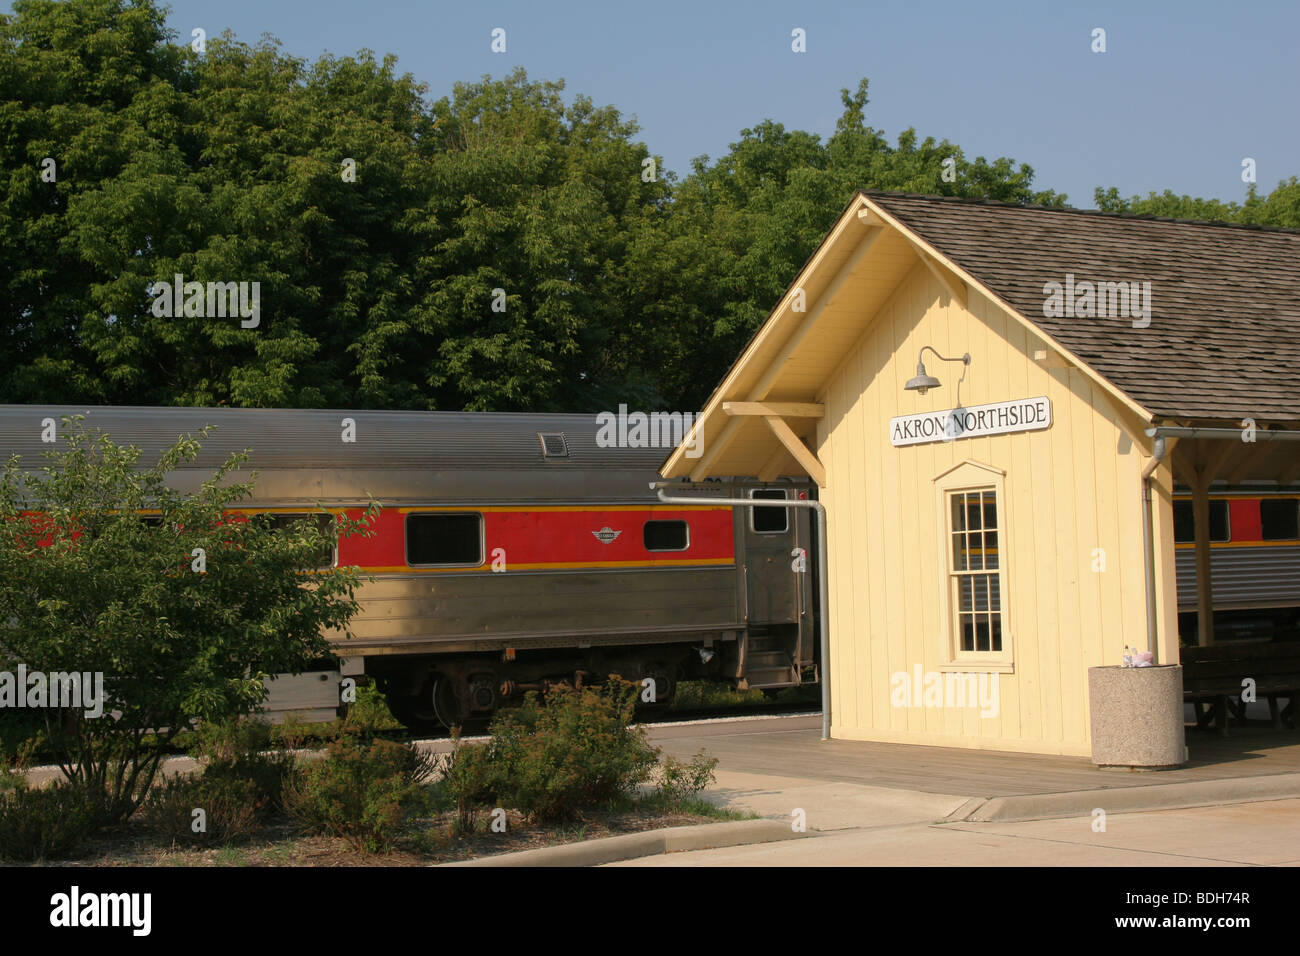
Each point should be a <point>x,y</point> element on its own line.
<point>380,290</point>
<point>92,584</point>
<point>1281,207</point>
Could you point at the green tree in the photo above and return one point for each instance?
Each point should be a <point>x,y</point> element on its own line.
<point>100,572</point>
<point>738,231</point>
<point>1279,208</point>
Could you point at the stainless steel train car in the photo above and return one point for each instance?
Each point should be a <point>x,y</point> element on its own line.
<point>510,550</point>
<point>1254,561</point>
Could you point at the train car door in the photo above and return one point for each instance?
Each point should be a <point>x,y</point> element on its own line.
<point>774,588</point>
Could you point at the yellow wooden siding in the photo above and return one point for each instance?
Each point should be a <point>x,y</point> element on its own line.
<point>1068,490</point>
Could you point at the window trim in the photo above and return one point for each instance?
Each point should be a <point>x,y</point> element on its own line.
<point>482,538</point>
<point>681,521</point>
<point>970,476</point>
<point>1262,499</point>
<point>753,512</point>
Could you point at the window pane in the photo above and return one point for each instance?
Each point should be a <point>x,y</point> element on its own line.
<point>1279,518</point>
<point>967,632</point>
<point>1184,522</point>
<point>1219,521</point>
<point>977,552</point>
<point>990,549</point>
<point>990,510</point>
<point>965,593</point>
<point>973,512</point>
<point>958,512</point>
<point>665,536</point>
<point>444,539</point>
<point>959,556</point>
<point>771,520</point>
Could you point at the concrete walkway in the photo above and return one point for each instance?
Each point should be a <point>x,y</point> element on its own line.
<point>1237,802</point>
<point>1245,834</point>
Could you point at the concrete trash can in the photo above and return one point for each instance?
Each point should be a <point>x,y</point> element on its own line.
<point>1137,717</point>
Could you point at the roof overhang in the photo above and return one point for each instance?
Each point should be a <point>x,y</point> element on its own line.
<point>815,327</point>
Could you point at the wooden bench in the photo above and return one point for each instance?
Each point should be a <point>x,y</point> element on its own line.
<point>1215,675</point>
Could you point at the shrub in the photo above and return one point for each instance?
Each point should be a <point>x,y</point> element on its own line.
<point>556,756</point>
<point>234,753</point>
<point>40,823</point>
<point>231,808</point>
<point>363,792</point>
<point>676,782</point>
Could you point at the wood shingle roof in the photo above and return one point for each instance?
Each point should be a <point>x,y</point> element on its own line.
<point>1223,340</point>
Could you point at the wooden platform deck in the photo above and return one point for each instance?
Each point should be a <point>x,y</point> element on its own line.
<point>767,747</point>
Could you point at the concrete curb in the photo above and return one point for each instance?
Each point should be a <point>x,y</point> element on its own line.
<point>703,836</point>
<point>1166,796</point>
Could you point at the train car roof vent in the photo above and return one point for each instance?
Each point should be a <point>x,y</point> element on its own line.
<point>553,444</point>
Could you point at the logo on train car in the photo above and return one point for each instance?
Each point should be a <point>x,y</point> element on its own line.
<point>606,534</point>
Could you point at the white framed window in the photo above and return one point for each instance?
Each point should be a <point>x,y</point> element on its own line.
<point>973,565</point>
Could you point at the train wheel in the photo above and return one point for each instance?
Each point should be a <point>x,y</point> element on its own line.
<point>432,710</point>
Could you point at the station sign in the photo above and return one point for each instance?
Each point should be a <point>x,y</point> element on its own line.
<point>977,421</point>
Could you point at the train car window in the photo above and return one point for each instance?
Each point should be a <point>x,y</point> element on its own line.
<point>326,557</point>
<point>444,539</point>
<point>666,536</point>
<point>1185,524</point>
<point>770,520</point>
<point>1279,519</point>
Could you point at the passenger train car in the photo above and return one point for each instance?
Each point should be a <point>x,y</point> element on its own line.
<point>1254,562</point>
<point>510,550</point>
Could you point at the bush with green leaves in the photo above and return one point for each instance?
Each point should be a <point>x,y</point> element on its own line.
<point>677,782</point>
<point>238,752</point>
<point>93,585</point>
<point>362,791</point>
<point>555,756</point>
<point>42,823</point>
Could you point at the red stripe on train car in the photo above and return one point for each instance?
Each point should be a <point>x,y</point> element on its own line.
<point>543,536</point>
<point>1246,523</point>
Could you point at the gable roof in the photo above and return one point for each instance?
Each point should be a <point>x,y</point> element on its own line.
<point>1224,338</point>
<point>1222,344</point>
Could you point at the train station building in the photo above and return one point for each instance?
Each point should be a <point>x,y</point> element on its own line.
<point>1000,405</point>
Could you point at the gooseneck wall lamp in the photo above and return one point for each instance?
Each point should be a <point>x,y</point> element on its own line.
<point>923,381</point>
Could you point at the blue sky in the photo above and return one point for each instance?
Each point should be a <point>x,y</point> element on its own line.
<point>1183,92</point>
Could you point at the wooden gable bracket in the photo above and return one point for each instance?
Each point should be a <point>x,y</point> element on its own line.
<point>772,413</point>
<point>955,285</point>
